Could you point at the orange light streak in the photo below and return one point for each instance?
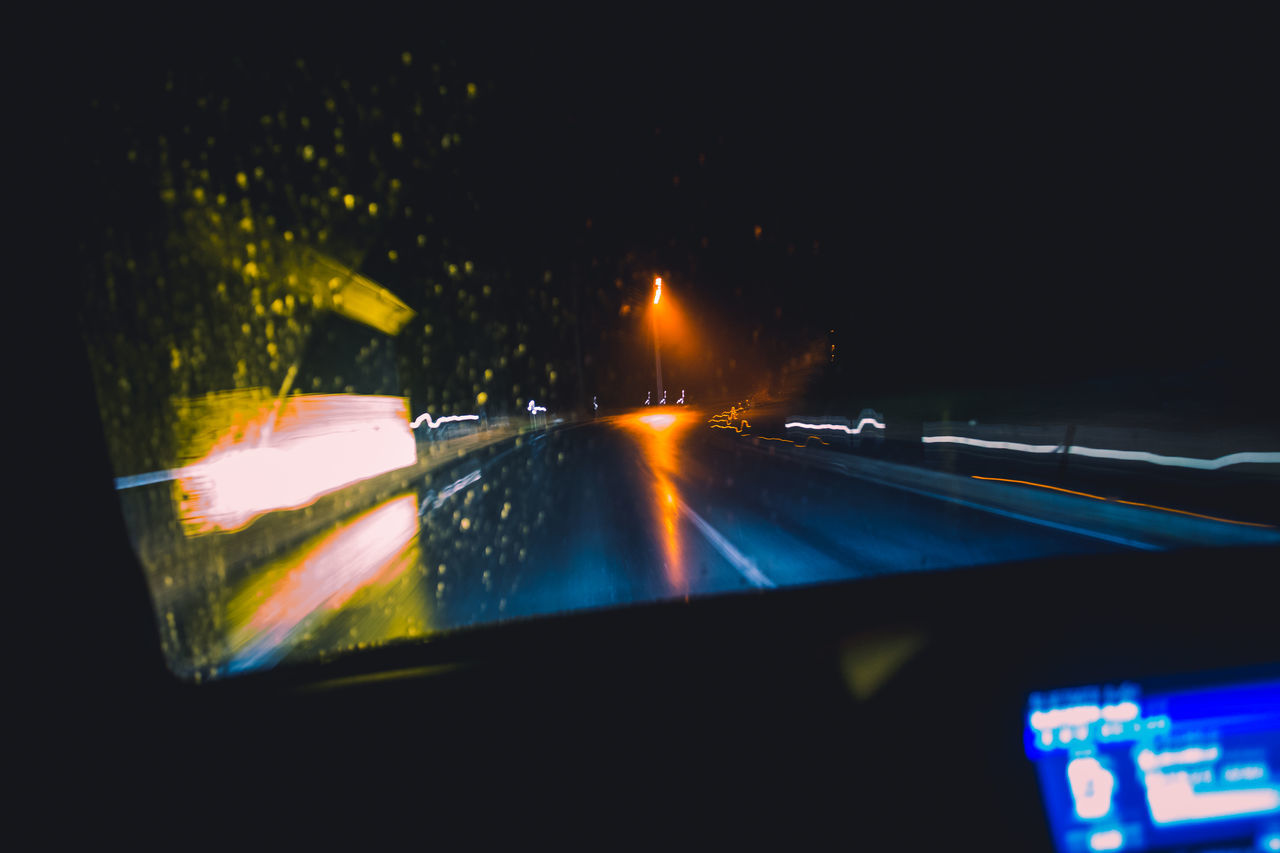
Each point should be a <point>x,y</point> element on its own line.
<point>1130,503</point>
<point>658,436</point>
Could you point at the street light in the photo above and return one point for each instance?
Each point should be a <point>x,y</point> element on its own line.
<point>657,356</point>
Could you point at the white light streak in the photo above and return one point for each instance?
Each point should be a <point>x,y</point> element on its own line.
<point>1262,457</point>
<point>1181,461</point>
<point>426,416</point>
<point>994,445</point>
<point>850,430</point>
<point>322,443</point>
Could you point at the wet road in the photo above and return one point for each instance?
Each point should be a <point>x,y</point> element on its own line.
<point>617,512</point>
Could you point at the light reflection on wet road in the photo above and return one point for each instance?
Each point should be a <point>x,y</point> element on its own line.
<point>620,511</point>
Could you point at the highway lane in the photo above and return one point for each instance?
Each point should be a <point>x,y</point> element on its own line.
<point>614,513</point>
<point>1244,493</point>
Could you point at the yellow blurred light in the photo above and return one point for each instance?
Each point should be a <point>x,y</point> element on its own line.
<point>348,293</point>
<point>306,587</point>
<point>657,293</point>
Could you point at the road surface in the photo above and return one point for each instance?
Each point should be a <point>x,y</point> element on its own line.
<point>612,513</point>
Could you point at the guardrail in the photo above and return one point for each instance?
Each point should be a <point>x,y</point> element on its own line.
<point>1243,452</point>
<point>1125,523</point>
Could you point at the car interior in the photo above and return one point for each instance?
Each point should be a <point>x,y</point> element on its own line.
<point>1111,695</point>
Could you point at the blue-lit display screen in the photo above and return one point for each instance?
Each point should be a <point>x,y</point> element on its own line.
<point>1125,767</point>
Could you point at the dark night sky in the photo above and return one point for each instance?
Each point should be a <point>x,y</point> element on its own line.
<point>964,202</point>
<point>1066,201</point>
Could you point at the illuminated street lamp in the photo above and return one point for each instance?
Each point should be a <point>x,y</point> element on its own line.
<point>657,355</point>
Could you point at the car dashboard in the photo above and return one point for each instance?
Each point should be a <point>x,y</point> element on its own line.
<point>998,707</point>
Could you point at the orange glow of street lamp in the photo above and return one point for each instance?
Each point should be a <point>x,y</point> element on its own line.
<point>657,356</point>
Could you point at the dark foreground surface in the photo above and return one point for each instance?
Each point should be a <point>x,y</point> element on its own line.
<point>888,711</point>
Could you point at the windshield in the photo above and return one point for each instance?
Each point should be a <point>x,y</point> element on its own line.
<point>427,338</point>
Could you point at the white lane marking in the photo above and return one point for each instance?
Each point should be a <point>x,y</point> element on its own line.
<point>850,430</point>
<point>1131,455</point>
<point>1083,531</point>
<point>840,468</point>
<point>745,566</point>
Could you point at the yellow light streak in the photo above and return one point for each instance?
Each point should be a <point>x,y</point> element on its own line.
<point>346,292</point>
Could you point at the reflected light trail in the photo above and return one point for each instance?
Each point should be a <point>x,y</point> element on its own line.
<point>722,421</point>
<point>320,443</point>
<point>426,416</point>
<point>659,422</point>
<point>451,490</point>
<point>295,593</point>
<point>741,425</point>
<point>669,512</point>
<point>658,435</point>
